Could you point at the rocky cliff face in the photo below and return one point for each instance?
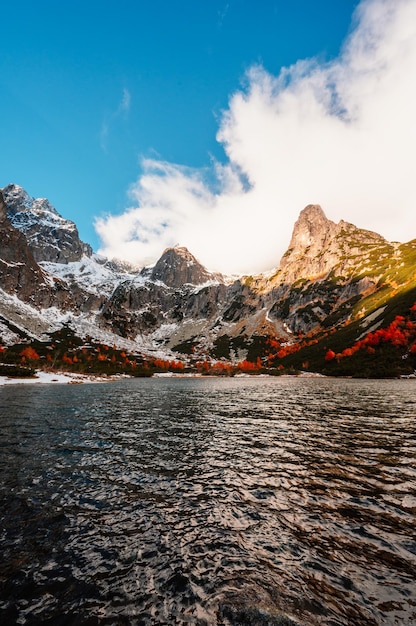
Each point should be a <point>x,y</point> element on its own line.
<point>20,275</point>
<point>327,268</point>
<point>178,290</point>
<point>49,236</point>
<point>177,267</point>
<point>319,246</point>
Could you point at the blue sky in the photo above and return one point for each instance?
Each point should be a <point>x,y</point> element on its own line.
<point>90,90</point>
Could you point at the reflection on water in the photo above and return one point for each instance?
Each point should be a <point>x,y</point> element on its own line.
<point>209,501</point>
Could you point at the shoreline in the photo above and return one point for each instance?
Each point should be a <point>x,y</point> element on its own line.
<point>70,378</point>
<point>56,378</point>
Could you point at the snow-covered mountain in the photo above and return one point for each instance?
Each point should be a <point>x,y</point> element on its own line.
<point>327,278</point>
<point>50,237</point>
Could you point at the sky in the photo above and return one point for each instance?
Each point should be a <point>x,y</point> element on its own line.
<point>211,124</point>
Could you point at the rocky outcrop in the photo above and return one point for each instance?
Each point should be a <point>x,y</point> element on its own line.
<point>177,290</point>
<point>143,304</point>
<point>20,275</point>
<point>49,236</point>
<point>177,267</point>
<point>327,268</point>
<point>318,246</point>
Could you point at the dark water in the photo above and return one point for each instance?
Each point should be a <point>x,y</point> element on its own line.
<point>199,501</point>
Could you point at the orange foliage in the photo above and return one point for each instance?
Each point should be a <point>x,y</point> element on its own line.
<point>160,363</point>
<point>250,366</point>
<point>274,343</point>
<point>330,355</point>
<point>221,367</point>
<point>202,366</point>
<point>246,366</point>
<point>168,365</point>
<point>29,353</point>
<point>400,333</point>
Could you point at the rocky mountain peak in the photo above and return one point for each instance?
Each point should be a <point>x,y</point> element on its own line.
<point>312,228</point>
<point>319,245</point>
<point>177,266</point>
<point>50,237</point>
<point>20,274</point>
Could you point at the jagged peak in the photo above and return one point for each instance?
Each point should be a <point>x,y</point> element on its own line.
<point>16,190</point>
<point>179,251</point>
<point>23,209</point>
<point>18,200</point>
<point>319,245</point>
<point>50,236</point>
<point>177,266</point>
<point>311,227</point>
<point>312,212</point>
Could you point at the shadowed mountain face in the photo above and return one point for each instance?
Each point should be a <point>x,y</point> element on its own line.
<point>50,236</point>
<point>331,275</point>
<point>177,267</point>
<point>20,275</point>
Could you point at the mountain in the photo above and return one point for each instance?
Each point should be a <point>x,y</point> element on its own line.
<point>50,236</point>
<point>327,268</point>
<point>335,284</point>
<point>177,267</point>
<point>20,273</point>
<point>319,246</point>
<point>166,303</point>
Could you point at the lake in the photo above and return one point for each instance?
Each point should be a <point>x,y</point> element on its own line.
<point>209,501</point>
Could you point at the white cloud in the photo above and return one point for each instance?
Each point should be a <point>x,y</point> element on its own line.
<point>341,134</point>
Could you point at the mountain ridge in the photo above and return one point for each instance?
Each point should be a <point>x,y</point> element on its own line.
<point>50,237</point>
<point>332,275</point>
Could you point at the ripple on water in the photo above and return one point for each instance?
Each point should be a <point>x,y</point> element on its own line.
<point>209,502</point>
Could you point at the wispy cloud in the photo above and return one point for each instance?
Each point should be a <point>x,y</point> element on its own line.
<point>124,106</point>
<point>222,14</point>
<point>122,109</point>
<point>341,134</point>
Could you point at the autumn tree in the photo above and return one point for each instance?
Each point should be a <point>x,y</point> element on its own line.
<point>29,353</point>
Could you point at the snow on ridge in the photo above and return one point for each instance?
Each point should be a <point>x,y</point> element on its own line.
<point>37,324</point>
<point>32,211</point>
<point>209,283</point>
<point>91,273</point>
<point>28,319</point>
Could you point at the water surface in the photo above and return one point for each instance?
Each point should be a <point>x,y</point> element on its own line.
<point>208,501</point>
